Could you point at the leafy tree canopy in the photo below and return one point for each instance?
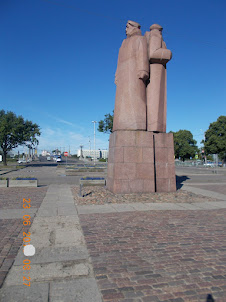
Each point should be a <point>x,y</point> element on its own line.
<point>215,138</point>
<point>106,125</point>
<point>184,144</point>
<point>15,131</point>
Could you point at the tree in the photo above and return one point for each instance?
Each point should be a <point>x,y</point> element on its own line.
<point>15,131</point>
<point>215,138</point>
<point>184,144</point>
<point>106,125</point>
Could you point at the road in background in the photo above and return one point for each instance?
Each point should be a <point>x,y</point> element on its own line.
<point>50,172</point>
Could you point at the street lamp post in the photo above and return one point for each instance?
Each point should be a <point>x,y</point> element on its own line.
<point>89,147</point>
<point>94,158</point>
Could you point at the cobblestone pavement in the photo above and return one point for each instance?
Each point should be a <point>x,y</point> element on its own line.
<point>11,230</point>
<point>12,198</point>
<point>158,255</point>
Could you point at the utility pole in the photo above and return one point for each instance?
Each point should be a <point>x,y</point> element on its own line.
<point>94,159</point>
<point>89,147</point>
<point>81,146</point>
<point>204,147</point>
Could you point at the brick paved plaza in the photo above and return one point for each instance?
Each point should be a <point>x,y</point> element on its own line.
<point>139,251</point>
<point>11,230</point>
<point>158,255</point>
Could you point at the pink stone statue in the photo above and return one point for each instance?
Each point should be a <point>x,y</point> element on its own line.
<point>130,78</point>
<point>156,90</point>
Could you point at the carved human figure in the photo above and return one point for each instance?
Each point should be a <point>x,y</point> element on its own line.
<point>131,75</point>
<point>156,90</point>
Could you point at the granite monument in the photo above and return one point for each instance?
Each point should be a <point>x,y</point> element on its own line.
<point>141,153</point>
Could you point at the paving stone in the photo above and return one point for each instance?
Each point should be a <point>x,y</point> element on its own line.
<point>140,206</point>
<point>209,206</point>
<point>146,254</point>
<point>221,204</point>
<point>123,207</point>
<point>68,237</point>
<point>81,290</point>
<point>42,237</point>
<point>17,213</point>
<point>54,254</point>
<point>37,292</point>
<point>47,212</point>
<point>11,230</point>
<point>204,192</point>
<point>164,206</point>
<point>55,222</point>
<point>95,209</point>
<point>66,210</point>
<point>48,272</point>
<point>65,201</point>
<point>192,207</point>
<point>161,255</point>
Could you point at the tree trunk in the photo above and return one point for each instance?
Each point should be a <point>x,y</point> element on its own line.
<point>4,158</point>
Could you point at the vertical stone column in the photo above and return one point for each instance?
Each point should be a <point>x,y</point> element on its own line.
<point>131,162</point>
<point>164,162</point>
<point>156,99</point>
<point>158,57</point>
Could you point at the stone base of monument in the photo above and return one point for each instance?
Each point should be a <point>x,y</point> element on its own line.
<point>141,162</point>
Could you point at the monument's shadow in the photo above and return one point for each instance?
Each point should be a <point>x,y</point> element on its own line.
<point>180,180</point>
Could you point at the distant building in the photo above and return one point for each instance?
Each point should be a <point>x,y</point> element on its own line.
<point>99,153</point>
<point>45,153</point>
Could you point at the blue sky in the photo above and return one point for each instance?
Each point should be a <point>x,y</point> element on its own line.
<point>58,59</point>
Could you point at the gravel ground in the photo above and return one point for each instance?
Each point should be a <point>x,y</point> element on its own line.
<point>100,195</point>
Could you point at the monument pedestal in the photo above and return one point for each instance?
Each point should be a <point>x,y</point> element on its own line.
<point>141,162</point>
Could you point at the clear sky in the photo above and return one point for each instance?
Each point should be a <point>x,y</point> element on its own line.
<point>58,59</point>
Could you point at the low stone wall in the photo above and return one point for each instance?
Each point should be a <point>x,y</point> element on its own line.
<point>3,183</point>
<point>23,182</point>
<point>78,171</point>
<point>93,181</point>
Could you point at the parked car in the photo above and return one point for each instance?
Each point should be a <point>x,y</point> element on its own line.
<point>209,165</point>
<point>57,158</point>
<point>48,158</point>
<point>23,161</point>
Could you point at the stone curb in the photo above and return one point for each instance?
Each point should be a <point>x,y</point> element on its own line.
<point>132,207</point>
<point>203,192</point>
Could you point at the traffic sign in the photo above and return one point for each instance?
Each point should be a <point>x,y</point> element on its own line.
<point>65,153</point>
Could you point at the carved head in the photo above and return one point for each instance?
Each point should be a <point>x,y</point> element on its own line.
<point>132,28</point>
<point>156,29</point>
